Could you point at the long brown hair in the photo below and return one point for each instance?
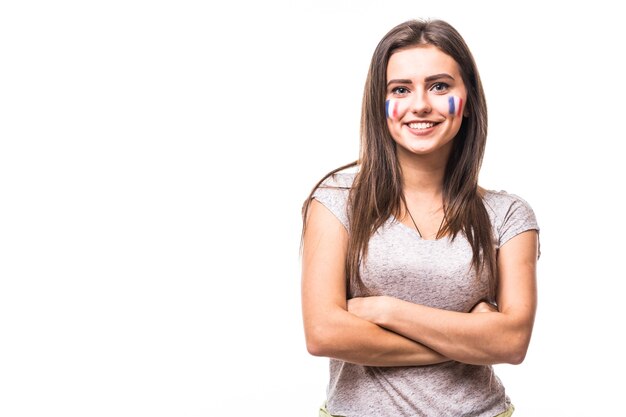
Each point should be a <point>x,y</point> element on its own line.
<point>377,194</point>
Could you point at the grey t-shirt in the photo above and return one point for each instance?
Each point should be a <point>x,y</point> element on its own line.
<point>436,273</point>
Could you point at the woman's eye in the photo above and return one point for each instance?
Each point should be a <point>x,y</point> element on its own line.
<point>400,90</point>
<point>439,87</point>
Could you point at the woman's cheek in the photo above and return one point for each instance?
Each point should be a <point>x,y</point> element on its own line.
<point>450,105</point>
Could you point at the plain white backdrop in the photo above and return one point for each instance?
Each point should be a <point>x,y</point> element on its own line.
<point>154,156</point>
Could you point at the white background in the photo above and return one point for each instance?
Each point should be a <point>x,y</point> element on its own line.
<point>154,156</point>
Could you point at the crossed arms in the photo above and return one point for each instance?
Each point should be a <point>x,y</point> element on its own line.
<point>386,331</point>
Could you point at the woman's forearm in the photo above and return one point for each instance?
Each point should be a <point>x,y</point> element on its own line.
<point>343,336</point>
<point>487,338</point>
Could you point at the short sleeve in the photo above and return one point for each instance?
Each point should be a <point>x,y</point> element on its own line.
<point>519,218</point>
<point>333,194</point>
<point>511,215</point>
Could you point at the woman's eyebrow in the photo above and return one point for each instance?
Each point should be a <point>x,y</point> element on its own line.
<point>399,81</point>
<point>438,76</point>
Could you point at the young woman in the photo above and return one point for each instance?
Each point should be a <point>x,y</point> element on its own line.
<point>414,279</point>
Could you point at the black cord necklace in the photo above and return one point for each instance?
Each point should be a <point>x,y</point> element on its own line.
<point>417,228</point>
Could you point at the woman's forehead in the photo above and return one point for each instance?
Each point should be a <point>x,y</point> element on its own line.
<point>420,61</point>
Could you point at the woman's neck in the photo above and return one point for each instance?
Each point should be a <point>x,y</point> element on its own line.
<point>421,178</point>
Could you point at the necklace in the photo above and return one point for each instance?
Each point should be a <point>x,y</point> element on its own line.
<point>417,228</point>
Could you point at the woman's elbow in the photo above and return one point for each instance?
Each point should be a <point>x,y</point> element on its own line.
<point>317,341</point>
<point>516,349</point>
<point>516,358</point>
<point>314,347</point>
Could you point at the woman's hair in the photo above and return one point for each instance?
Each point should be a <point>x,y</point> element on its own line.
<point>377,194</point>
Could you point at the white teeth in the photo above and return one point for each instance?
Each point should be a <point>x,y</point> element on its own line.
<point>421,125</point>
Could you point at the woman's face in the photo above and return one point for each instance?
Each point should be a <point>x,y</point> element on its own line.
<point>421,82</point>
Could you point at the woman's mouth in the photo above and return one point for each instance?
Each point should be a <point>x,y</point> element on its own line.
<point>420,125</point>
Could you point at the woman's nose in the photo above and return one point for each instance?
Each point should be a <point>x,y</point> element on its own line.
<point>420,104</point>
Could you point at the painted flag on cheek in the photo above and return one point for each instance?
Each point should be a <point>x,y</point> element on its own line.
<point>455,105</point>
<point>391,109</point>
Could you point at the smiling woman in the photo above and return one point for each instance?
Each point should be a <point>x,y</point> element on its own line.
<point>423,123</point>
<point>415,280</point>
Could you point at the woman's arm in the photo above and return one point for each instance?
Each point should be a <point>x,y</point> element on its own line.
<point>495,337</point>
<point>330,330</point>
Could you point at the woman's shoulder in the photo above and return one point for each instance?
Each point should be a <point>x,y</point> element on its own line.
<point>501,198</point>
<point>339,180</point>
<point>333,192</point>
<point>502,204</point>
